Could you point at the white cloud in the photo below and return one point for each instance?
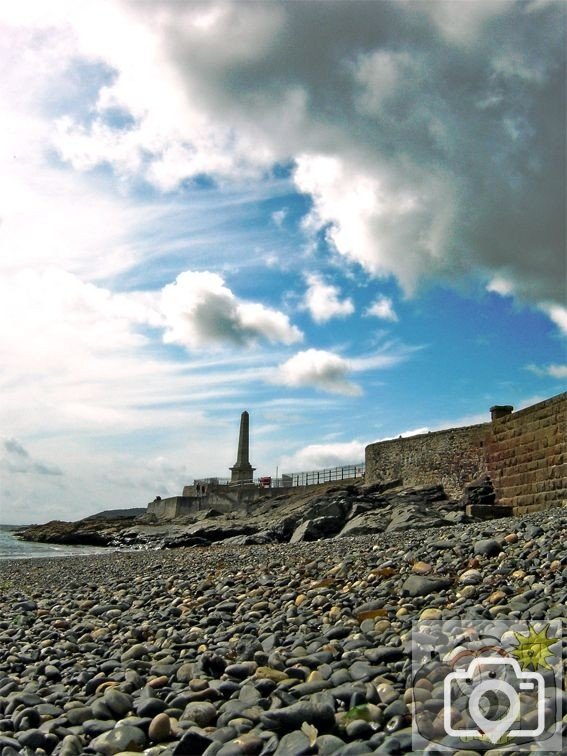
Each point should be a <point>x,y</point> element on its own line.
<point>51,319</point>
<point>379,76</point>
<point>320,456</point>
<point>319,369</point>
<point>389,355</point>
<point>399,197</point>
<point>373,218</point>
<point>462,23</point>
<point>49,217</point>
<point>279,216</point>
<point>500,285</point>
<point>329,371</point>
<point>322,300</point>
<point>338,454</point>
<point>558,315</point>
<point>199,311</point>
<point>552,371</point>
<point>382,308</point>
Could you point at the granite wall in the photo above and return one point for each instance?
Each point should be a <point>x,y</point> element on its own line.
<point>524,453</point>
<point>452,457</point>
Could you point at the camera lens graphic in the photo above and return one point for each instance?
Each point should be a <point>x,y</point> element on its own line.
<point>494,728</point>
<point>500,685</point>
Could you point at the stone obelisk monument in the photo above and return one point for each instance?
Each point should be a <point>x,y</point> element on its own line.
<point>243,470</point>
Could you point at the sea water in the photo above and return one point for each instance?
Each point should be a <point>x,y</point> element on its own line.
<point>12,548</point>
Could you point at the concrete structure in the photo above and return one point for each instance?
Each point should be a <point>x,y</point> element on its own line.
<point>524,453</point>
<point>213,493</point>
<point>174,506</point>
<point>242,471</point>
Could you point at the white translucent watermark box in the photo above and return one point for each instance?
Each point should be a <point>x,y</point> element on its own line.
<point>483,685</point>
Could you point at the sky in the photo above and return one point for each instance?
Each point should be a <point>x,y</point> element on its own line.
<point>347,218</point>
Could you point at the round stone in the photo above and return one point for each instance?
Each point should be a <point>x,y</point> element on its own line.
<point>421,568</point>
<point>160,728</point>
<point>496,597</point>
<point>431,613</point>
<point>203,713</point>
<point>118,702</point>
<point>470,577</point>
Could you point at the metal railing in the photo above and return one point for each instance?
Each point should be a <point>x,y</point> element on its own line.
<point>320,476</point>
<point>292,480</point>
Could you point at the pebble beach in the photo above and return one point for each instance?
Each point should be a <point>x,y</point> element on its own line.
<point>268,649</point>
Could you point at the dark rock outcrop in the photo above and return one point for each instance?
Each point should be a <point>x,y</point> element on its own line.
<point>326,512</point>
<point>479,491</point>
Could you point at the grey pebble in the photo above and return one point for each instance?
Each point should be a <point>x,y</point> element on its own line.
<point>194,744</point>
<point>294,744</point>
<point>122,738</point>
<point>119,703</point>
<point>254,649</point>
<point>487,547</point>
<point>421,585</point>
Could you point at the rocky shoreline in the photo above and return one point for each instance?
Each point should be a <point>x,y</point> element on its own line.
<point>286,649</point>
<point>323,512</point>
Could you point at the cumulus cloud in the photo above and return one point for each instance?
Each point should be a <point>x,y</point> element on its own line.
<point>558,315</point>
<point>329,371</point>
<point>200,311</point>
<point>438,155</point>
<point>318,456</point>
<point>14,458</point>
<point>382,308</point>
<point>323,302</point>
<point>317,368</point>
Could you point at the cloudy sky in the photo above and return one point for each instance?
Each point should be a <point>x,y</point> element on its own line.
<point>345,217</point>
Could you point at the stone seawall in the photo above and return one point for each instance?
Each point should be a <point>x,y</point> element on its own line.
<point>526,455</point>
<point>451,457</point>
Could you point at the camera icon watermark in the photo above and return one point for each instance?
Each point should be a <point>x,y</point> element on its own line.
<point>481,675</point>
<point>481,685</point>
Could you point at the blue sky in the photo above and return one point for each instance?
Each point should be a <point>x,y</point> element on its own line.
<point>346,218</point>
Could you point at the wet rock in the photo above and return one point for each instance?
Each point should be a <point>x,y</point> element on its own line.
<point>423,585</point>
<point>321,716</point>
<point>123,738</point>
<point>487,547</point>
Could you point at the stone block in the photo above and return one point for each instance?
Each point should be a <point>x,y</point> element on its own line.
<point>488,511</point>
